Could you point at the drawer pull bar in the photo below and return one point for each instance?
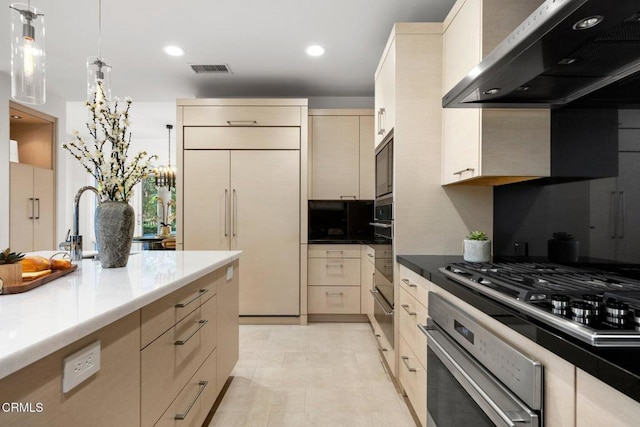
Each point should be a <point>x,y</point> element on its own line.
<point>405,359</point>
<point>184,304</point>
<point>411,285</point>
<point>333,294</point>
<point>335,265</point>
<point>406,308</point>
<point>184,341</point>
<point>463,171</point>
<point>348,197</point>
<point>242,122</point>
<point>182,416</point>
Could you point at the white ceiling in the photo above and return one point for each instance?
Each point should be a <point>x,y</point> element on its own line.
<point>263,43</point>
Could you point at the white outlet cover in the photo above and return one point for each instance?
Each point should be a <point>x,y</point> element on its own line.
<point>230,272</point>
<point>79,366</point>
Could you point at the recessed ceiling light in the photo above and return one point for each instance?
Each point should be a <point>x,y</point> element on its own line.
<point>13,116</point>
<point>315,50</point>
<point>173,51</point>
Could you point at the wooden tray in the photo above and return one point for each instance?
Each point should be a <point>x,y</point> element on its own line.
<point>28,285</point>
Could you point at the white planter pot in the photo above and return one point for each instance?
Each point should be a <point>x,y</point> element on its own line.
<point>477,250</point>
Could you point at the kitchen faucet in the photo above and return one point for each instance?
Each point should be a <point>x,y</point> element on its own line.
<point>75,241</point>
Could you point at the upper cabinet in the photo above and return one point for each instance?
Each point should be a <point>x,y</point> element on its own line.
<point>488,147</point>
<point>385,88</point>
<point>32,180</point>
<point>341,154</point>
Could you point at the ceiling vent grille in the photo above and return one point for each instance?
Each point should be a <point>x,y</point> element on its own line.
<point>210,69</point>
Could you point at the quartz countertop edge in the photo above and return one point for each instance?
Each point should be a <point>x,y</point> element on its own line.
<point>617,367</point>
<point>39,322</point>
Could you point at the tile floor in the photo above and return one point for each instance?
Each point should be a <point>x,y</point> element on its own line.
<point>322,374</point>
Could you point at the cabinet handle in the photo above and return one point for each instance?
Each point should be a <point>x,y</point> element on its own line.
<point>381,112</point>
<point>32,208</point>
<point>234,216</point>
<point>408,283</point>
<point>406,308</point>
<point>182,416</point>
<point>463,171</point>
<point>405,359</point>
<point>226,208</point>
<point>242,122</point>
<point>340,252</point>
<point>613,215</point>
<point>184,304</point>
<point>621,215</point>
<point>370,255</point>
<point>38,201</point>
<point>333,294</point>
<point>348,197</point>
<point>184,341</point>
<point>335,265</point>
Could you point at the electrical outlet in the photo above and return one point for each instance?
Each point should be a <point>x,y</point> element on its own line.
<point>80,365</point>
<point>521,248</point>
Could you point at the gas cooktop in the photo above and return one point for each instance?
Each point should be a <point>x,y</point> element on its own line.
<point>595,306</point>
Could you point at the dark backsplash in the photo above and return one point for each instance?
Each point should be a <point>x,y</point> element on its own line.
<point>593,194</point>
<point>340,221</point>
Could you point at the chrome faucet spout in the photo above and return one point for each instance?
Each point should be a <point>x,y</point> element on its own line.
<point>76,239</point>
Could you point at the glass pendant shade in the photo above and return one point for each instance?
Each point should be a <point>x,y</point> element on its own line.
<point>27,54</point>
<point>98,69</point>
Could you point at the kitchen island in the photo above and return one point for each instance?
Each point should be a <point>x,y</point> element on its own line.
<point>167,330</point>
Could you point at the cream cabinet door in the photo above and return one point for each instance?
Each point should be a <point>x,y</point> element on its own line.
<point>385,90</point>
<point>335,154</point>
<point>21,208</point>
<point>265,225</point>
<point>44,221</point>
<point>367,158</point>
<point>207,199</point>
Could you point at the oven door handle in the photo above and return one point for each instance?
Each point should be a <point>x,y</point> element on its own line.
<point>380,225</point>
<point>375,293</point>
<point>437,341</point>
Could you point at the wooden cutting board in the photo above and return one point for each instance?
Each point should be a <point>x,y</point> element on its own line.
<point>29,282</point>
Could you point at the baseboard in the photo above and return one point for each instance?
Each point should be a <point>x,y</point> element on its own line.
<point>341,318</point>
<point>269,320</point>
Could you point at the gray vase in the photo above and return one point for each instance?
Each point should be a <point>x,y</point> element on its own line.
<point>114,224</point>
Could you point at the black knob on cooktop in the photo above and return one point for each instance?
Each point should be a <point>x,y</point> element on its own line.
<point>559,302</point>
<point>617,312</point>
<point>582,312</point>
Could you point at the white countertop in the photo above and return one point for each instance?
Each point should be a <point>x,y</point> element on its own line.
<point>43,320</point>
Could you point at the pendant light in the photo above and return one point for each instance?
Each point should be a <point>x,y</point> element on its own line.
<point>27,54</point>
<point>166,175</point>
<point>98,69</point>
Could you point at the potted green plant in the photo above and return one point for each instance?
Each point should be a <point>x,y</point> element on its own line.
<point>563,247</point>
<point>10,268</point>
<point>477,247</point>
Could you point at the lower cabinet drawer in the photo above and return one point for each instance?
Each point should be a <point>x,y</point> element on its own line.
<point>410,313</point>
<point>195,400</point>
<point>413,378</point>
<point>416,285</point>
<point>333,299</point>
<point>333,272</point>
<point>169,362</point>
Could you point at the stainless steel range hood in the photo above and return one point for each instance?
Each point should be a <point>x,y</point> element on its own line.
<point>565,50</point>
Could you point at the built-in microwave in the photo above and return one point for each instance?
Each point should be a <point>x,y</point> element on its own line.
<point>384,168</point>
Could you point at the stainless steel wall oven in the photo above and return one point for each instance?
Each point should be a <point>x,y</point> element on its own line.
<point>383,260</point>
<point>475,378</point>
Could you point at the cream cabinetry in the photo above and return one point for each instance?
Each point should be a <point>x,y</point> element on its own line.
<point>341,154</point>
<point>367,279</point>
<point>110,397</point>
<point>32,184</point>
<point>489,147</point>
<point>598,404</point>
<point>32,210</point>
<point>385,99</point>
<point>333,279</point>
<point>412,349</point>
<point>243,183</point>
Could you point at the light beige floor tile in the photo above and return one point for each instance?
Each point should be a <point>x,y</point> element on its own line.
<point>393,419</point>
<point>255,359</point>
<point>312,359</point>
<point>263,399</point>
<point>315,419</point>
<point>361,377</point>
<point>351,399</point>
<point>293,377</point>
<point>240,419</point>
